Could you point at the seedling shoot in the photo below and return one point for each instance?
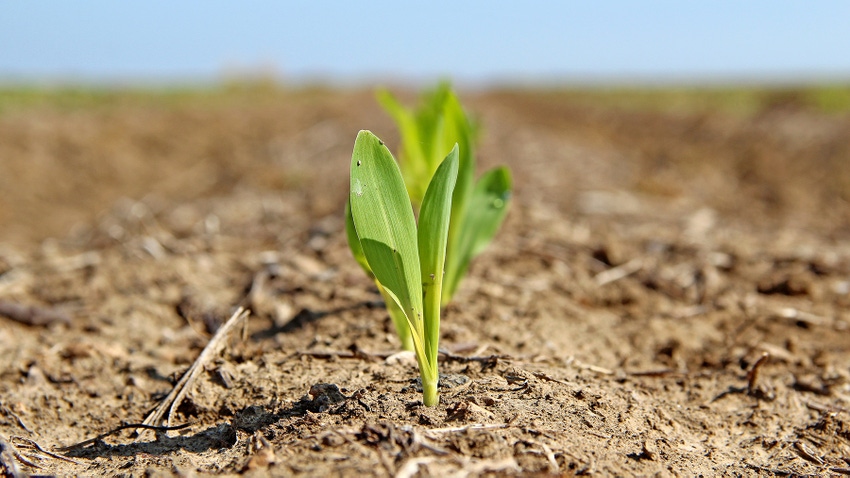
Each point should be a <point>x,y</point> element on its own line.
<point>406,260</point>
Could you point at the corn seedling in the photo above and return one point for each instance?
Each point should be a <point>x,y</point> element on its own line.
<point>407,261</point>
<point>478,208</point>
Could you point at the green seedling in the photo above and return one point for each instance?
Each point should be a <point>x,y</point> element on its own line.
<point>478,208</point>
<point>406,260</point>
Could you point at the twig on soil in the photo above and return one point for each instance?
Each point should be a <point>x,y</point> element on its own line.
<point>801,316</point>
<point>128,426</point>
<point>8,460</point>
<point>664,372</point>
<point>753,373</point>
<point>826,408</point>
<point>474,426</point>
<point>752,389</point>
<point>550,456</point>
<point>419,440</point>
<point>543,376</point>
<point>32,315</point>
<point>7,411</point>
<point>584,366</point>
<point>33,444</point>
<point>809,318</point>
<point>806,454</point>
<point>620,272</point>
<point>175,397</point>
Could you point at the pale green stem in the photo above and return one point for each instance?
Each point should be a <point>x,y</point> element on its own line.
<point>430,397</point>
<point>427,373</point>
<point>431,289</point>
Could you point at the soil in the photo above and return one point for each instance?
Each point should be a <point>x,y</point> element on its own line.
<point>668,296</point>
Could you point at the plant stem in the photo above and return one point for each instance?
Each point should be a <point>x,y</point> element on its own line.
<point>428,374</point>
<point>431,288</point>
<point>430,395</point>
<point>431,300</point>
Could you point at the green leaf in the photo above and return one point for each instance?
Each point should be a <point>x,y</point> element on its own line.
<point>457,119</point>
<point>397,315</point>
<point>433,236</point>
<point>354,242</point>
<point>398,318</point>
<point>383,219</point>
<point>414,165</point>
<point>430,117</point>
<point>488,205</point>
<point>427,132</point>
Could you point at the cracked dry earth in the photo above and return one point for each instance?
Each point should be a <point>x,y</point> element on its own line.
<point>668,297</point>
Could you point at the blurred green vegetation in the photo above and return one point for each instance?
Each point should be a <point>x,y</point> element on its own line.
<point>70,98</point>
<point>74,97</point>
<point>830,99</point>
<point>736,100</point>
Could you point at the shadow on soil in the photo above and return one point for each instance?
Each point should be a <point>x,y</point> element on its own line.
<point>322,398</point>
<point>306,317</point>
<point>213,438</point>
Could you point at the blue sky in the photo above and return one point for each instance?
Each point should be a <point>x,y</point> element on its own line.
<point>477,41</point>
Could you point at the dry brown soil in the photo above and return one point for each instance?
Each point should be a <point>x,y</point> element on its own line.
<point>668,297</point>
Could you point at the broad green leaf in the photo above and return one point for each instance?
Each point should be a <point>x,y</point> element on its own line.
<point>433,235</point>
<point>487,207</point>
<point>397,315</point>
<point>354,242</point>
<point>383,219</point>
